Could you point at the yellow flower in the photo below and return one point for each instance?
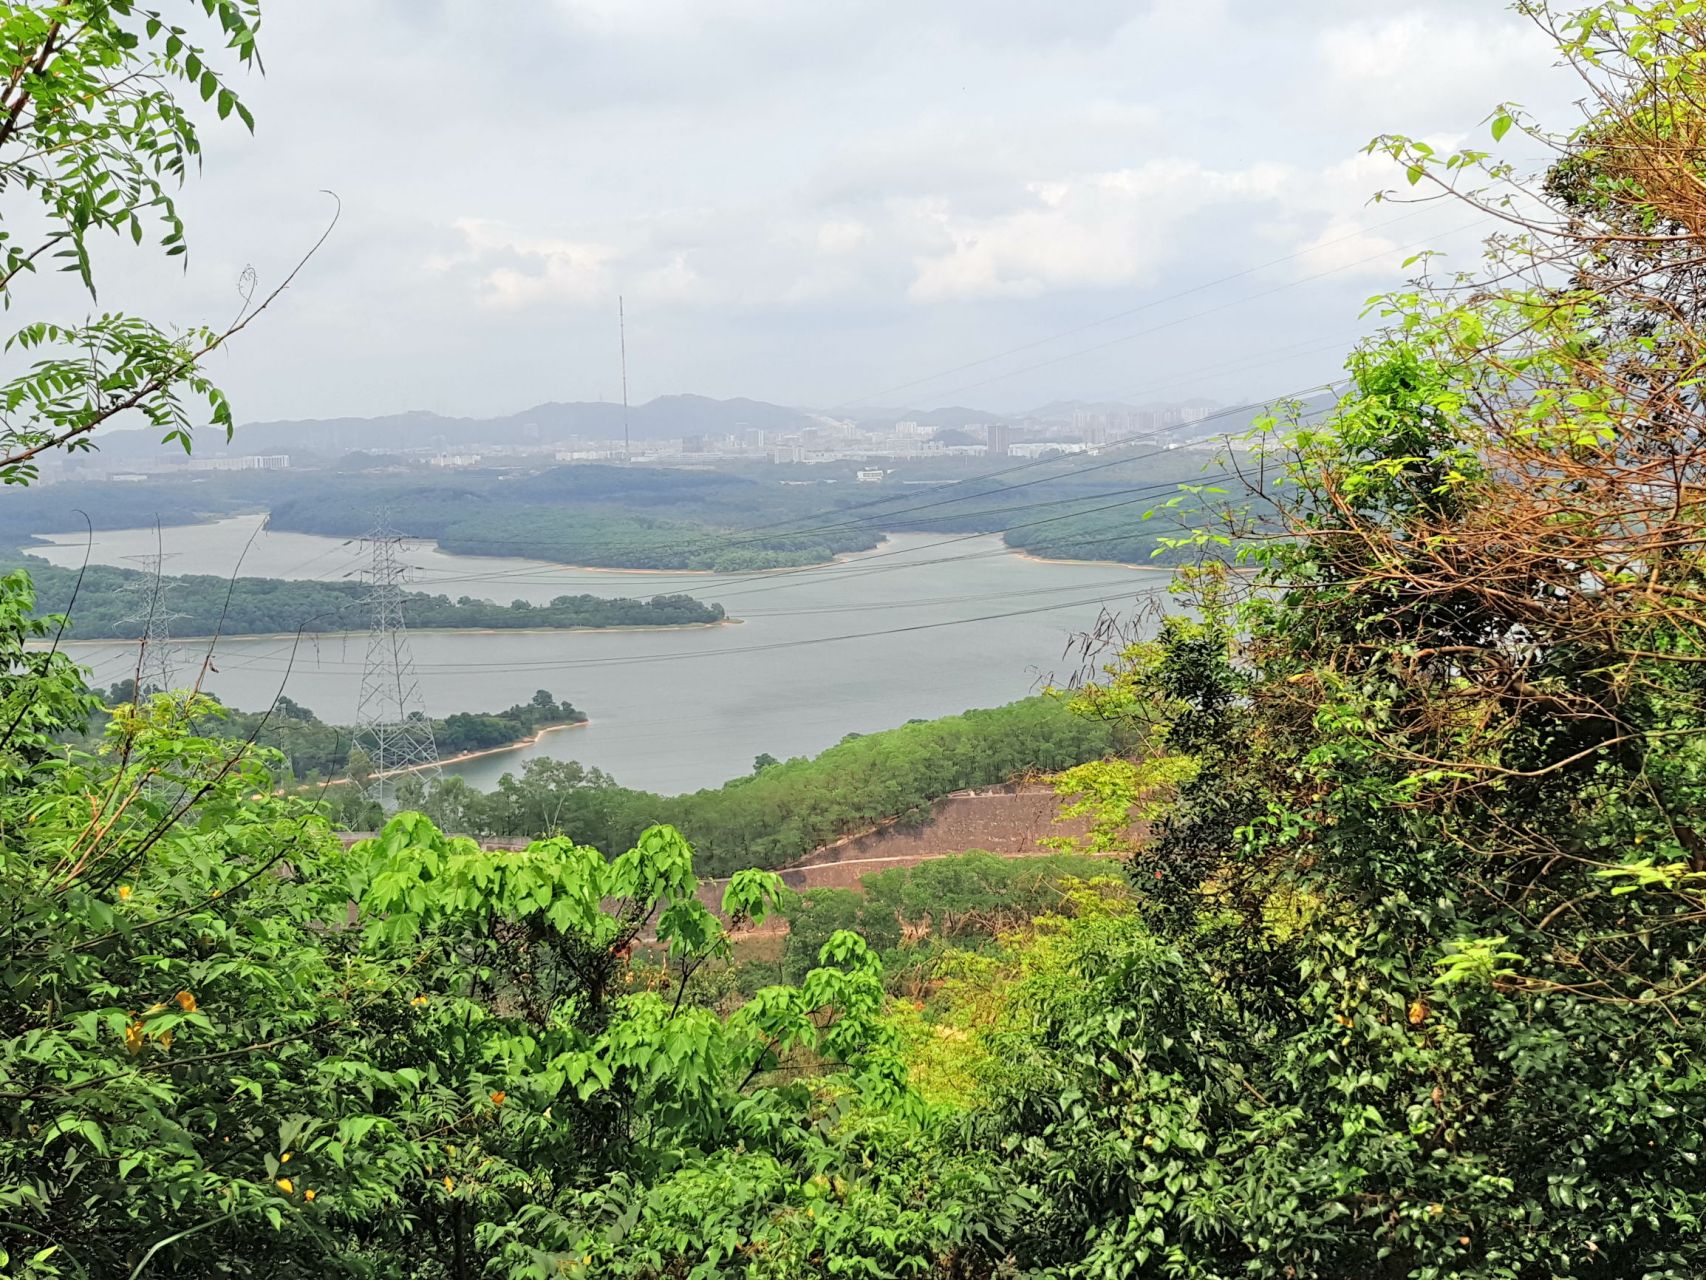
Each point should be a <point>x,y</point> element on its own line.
<point>285,1185</point>
<point>133,1038</point>
<point>1418,1012</point>
<point>418,1001</point>
<point>285,1158</point>
<point>186,1001</point>
<point>449,1183</point>
<point>124,893</point>
<point>308,1194</point>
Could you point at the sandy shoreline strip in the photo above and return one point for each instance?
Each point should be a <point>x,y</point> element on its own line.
<point>1112,564</point>
<point>517,745</point>
<point>471,755</point>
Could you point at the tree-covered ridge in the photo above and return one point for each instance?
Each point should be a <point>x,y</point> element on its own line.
<point>784,810</point>
<point>663,518</point>
<point>622,540</point>
<point>106,606</point>
<point>595,515</point>
<point>742,518</point>
<point>308,749</point>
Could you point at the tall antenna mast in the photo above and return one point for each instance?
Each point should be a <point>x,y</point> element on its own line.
<point>392,726</point>
<point>622,335</point>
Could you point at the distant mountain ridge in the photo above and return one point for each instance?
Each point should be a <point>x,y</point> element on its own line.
<point>667,417</point>
<point>556,422</point>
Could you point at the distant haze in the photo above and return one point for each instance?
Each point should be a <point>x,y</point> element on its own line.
<point>835,206</point>
<point>665,418</point>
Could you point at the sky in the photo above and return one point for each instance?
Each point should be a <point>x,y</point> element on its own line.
<point>838,205</point>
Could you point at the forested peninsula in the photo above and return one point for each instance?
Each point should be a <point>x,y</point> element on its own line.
<point>1130,506</point>
<point>310,750</point>
<point>783,809</point>
<point>106,606</point>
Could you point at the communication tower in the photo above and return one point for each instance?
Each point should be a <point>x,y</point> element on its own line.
<point>622,335</point>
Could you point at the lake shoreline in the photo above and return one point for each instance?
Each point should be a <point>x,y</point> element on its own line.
<point>69,643</point>
<point>1112,564</point>
<point>839,558</point>
<point>531,740</point>
<point>463,757</point>
<point>674,713</point>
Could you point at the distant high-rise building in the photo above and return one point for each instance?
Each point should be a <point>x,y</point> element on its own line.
<point>253,462</point>
<point>999,436</point>
<point>693,444</point>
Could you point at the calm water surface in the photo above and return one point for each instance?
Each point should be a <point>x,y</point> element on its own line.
<point>819,653</point>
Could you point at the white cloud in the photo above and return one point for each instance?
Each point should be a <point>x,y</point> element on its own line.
<point>674,280</point>
<point>514,271</point>
<point>675,18</point>
<point>1470,59</point>
<point>841,236</point>
<point>1343,245</point>
<point>1101,231</point>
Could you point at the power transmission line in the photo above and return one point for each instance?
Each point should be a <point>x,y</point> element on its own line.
<point>392,727</point>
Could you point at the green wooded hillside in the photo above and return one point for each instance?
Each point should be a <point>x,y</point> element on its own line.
<point>108,606</point>
<point>785,809</point>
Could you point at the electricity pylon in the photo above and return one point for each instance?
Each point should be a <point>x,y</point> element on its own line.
<point>392,727</point>
<point>155,660</point>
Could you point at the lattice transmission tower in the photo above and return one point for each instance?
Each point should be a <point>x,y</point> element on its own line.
<point>392,726</point>
<point>156,660</point>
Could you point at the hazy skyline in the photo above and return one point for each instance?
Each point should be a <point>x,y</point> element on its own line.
<point>821,205</point>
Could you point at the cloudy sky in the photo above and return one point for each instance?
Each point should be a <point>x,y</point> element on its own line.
<point>832,204</point>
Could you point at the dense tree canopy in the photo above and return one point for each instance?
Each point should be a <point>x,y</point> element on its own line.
<point>787,809</point>
<point>310,749</point>
<point>736,519</point>
<point>102,603</point>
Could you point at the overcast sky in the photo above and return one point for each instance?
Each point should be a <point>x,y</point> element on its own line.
<point>823,203</point>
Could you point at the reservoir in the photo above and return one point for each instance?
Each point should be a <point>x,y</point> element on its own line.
<point>926,625</point>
